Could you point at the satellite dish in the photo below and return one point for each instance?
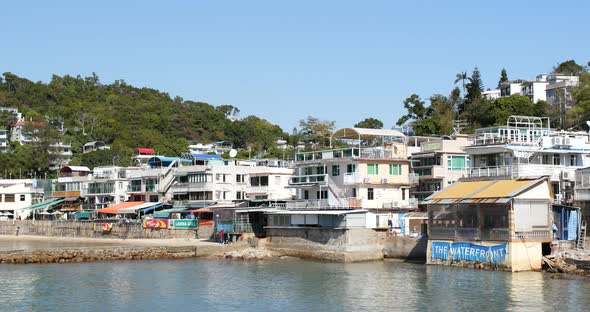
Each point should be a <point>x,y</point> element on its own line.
<point>233,153</point>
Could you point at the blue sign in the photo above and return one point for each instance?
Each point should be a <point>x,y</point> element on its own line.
<point>468,251</point>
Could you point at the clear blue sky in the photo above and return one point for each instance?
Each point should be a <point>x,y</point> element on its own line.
<point>284,60</point>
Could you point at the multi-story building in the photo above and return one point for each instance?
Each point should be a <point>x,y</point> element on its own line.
<point>560,88</point>
<point>372,173</point>
<point>528,148</point>
<point>511,87</point>
<point>440,162</point>
<point>106,186</point>
<point>62,154</point>
<point>218,180</point>
<point>18,194</point>
<point>535,90</point>
<point>95,146</point>
<point>491,94</point>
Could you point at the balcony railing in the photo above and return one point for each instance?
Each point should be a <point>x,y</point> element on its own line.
<point>352,152</point>
<point>324,204</point>
<point>304,179</point>
<point>352,179</point>
<point>525,170</point>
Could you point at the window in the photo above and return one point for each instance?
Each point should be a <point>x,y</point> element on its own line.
<point>255,181</point>
<point>308,171</point>
<point>335,170</point>
<point>277,180</point>
<point>372,169</point>
<point>556,159</point>
<point>354,192</point>
<point>545,159</point>
<point>9,198</point>
<point>572,160</point>
<point>264,181</point>
<point>320,170</point>
<point>240,178</point>
<point>238,195</point>
<point>395,170</point>
<point>350,168</point>
<point>457,162</point>
<point>306,194</point>
<point>322,194</point>
<point>403,194</point>
<point>22,198</point>
<point>370,194</point>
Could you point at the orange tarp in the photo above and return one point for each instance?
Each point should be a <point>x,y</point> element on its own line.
<point>205,209</point>
<point>113,209</point>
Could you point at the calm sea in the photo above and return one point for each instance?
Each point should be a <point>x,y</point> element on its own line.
<point>281,285</point>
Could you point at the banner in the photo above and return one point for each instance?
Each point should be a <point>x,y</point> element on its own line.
<point>468,251</point>
<point>183,224</point>
<point>155,224</point>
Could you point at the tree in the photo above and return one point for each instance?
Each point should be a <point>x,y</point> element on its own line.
<point>474,86</point>
<point>370,123</point>
<point>503,77</point>
<point>569,67</point>
<point>462,76</point>
<point>515,104</point>
<point>316,130</point>
<point>580,111</point>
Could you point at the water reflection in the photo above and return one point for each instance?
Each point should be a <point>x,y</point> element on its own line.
<point>224,285</point>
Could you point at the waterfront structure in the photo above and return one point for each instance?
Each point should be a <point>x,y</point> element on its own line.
<point>18,194</point>
<point>70,184</point>
<point>439,163</point>
<point>495,222</point>
<point>528,148</point>
<point>371,173</point>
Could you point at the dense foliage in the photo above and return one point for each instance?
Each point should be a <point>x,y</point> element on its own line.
<point>123,116</point>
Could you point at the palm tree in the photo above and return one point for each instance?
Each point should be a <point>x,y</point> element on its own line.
<point>462,76</point>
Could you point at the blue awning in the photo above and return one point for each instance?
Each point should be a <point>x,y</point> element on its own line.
<point>206,156</point>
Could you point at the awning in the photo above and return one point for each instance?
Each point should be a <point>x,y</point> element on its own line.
<point>45,204</point>
<point>145,207</point>
<point>200,210</point>
<point>71,199</point>
<point>115,208</point>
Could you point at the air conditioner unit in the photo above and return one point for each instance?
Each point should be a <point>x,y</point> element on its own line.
<point>395,204</point>
<point>384,180</point>
<point>566,175</point>
<point>367,180</point>
<point>566,141</point>
<point>557,141</point>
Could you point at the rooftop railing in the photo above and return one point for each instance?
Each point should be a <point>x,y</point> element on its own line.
<point>351,152</point>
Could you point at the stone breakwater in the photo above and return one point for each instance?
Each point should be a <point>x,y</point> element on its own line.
<point>86,254</point>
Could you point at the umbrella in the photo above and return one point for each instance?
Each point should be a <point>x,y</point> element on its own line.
<point>8,213</point>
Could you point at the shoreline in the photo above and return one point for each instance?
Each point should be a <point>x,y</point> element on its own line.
<point>97,249</point>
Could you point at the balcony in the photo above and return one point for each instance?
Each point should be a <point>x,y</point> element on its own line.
<point>257,190</point>
<point>65,194</point>
<point>352,179</point>
<point>323,204</point>
<point>352,152</point>
<point>306,179</point>
<point>554,172</point>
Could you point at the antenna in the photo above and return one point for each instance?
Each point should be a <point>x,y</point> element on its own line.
<point>233,153</point>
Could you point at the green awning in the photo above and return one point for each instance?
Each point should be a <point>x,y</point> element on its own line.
<point>45,204</point>
<point>166,212</point>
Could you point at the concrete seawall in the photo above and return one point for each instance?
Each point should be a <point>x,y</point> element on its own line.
<point>344,245</point>
<point>132,250</point>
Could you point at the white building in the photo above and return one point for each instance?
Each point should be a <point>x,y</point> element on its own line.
<point>220,180</point>
<point>106,186</point>
<point>527,148</point>
<point>215,147</point>
<point>95,146</point>
<point>17,194</point>
<point>535,90</point>
<point>372,173</point>
<point>62,153</point>
<point>511,87</point>
<point>491,94</point>
<point>4,144</point>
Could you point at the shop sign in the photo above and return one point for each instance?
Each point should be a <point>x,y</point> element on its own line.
<point>469,252</point>
<point>183,224</point>
<point>155,224</point>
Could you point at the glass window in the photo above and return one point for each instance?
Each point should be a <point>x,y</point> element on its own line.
<point>370,194</point>
<point>572,160</point>
<point>320,170</point>
<point>9,198</point>
<point>335,170</point>
<point>22,198</point>
<point>457,162</point>
<point>395,170</point>
<point>556,159</point>
<point>350,168</point>
<point>372,169</point>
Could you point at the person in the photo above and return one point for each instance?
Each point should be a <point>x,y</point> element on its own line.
<point>17,230</point>
<point>222,236</point>
<point>390,225</point>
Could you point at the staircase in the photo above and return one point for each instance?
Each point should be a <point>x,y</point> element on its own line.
<point>581,243</point>
<point>167,177</point>
<point>338,197</point>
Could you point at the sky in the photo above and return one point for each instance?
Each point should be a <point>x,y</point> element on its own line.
<point>285,60</point>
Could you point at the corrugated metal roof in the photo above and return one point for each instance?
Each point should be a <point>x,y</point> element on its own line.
<point>501,188</point>
<point>461,189</point>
